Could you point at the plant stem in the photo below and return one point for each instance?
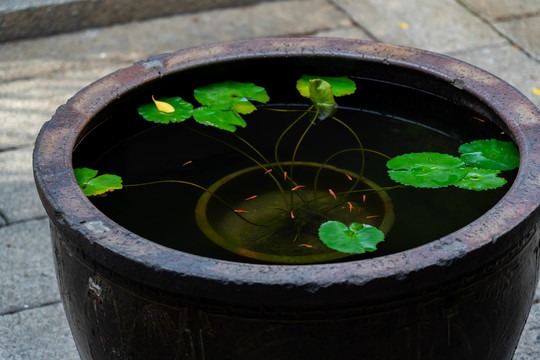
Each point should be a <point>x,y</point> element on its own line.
<point>262,166</point>
<point>199,187</point>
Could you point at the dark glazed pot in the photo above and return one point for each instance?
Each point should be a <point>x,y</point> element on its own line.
<point>463,296</point>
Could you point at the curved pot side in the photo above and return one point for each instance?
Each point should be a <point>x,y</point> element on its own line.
<point>466,295</point>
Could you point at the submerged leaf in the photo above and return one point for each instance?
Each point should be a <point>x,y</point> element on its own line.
<point>231,95</point>
<point>356,239</point>
<point>320,93</point>
<point>222,119</point>
<point>95,185</point>
<point>426,170</point>
<point>341,86</point>
<point>160,110</point>
<point>490,154</point>
<point>481,179</point>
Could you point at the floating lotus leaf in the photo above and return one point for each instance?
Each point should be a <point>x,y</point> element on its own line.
<point>426,170</point>
<point>490,154</point>
<point>182,110</point>
<point>341,86</point>
<point>223,119</point>
<point>354,239</point>
<point>231,95</point>
<point>92,185</point>
<point>481,179</point>
<point>320,93</point>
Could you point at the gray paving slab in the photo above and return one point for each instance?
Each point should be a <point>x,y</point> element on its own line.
<point>26,265</point>
<point>496,10</point>
<point>37,334</point>
<point>529,343</point>
<point>18,195</point>
<point>26,103</point>
<point>393,21</point>
<point>30,18</point>
<point>525,32</point>
<point>509,64</point>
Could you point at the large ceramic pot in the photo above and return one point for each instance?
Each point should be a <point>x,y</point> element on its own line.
<point>463,296</point>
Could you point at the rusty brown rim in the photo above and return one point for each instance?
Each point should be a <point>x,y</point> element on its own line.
<point>125,253</point>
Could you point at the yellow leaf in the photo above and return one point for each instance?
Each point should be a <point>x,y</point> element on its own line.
<point>403,25</point>
<point>536,91</point>
<point>163,106</point>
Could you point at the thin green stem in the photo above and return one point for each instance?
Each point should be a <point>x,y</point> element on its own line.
<point>278,142</point>
<point>199,187</point>
<point>262,166</point>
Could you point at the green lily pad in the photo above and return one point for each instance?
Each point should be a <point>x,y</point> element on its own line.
<point>223,119</point>
<point>426,170</point>
<point>481,179</point>
<point>354,239</point>
<point>320,93</point>
<point>341,86</point>
<point>91,184</point>
<point>231,95</point>
<point>182,111</point>
<point>490,154</point>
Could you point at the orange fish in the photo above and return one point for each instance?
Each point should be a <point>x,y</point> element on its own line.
<point>332,193</point>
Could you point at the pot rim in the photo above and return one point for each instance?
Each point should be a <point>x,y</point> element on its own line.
<point>123,252</point>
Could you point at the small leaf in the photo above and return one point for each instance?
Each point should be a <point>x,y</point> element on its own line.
<point>223,119</point>
<point>95,185</point>
<point>182,110</point>
<point>356,239</point>
<point>426,170</point>
<point>341,86</point>
<point>163,106</point>
<point>231,95</point>
<point>490,154</point>
<point>320,93</point>
<point>481,179</point>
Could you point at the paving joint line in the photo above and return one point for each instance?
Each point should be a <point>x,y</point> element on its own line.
<point>517,17</point>
<point>355,23</point>
<point>500,33</point>
<point>8,223</point>
<point>33,307</point>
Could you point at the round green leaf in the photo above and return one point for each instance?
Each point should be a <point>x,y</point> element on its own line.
<point>83,175</point>
<point>356,239</point>
<point>231,95</point>
<point>223,119</point>
<point>95,185</point>
<point>481,179</point>
<point>426,170</point>
<point>490,154</point>
<point>182,111</point>
<point>341,86</point>
<point>320,93</point>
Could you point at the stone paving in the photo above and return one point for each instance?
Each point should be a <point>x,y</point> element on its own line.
<point>38,75</point>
